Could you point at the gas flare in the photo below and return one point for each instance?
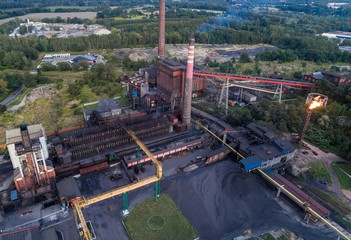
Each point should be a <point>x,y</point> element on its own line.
<point>317,102</point>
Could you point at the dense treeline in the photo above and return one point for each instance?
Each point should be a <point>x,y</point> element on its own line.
<point>10,4</point>
<point>11,81</point>
<point>8,27</point>
<point>100,80</point>
<point>318,10</point>
<point>22,11</point>
<point>294,34</point>
<point>201,5</point>
<point>68,20</point>
<point>329,128</point>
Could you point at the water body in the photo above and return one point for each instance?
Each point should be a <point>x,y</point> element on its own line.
<point>221,202</point>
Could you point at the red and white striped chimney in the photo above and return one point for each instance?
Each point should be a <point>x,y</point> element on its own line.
<point>161,31</point>
<point>188,84</point>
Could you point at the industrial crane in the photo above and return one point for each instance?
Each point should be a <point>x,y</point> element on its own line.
<point>279,186</point>
<point>83,202</point>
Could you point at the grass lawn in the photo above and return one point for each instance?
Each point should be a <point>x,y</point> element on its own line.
<point>268,236</point>
<point>66,76</point>
<point>320,172</point>
<point>159,220</point>
<point>129,18</point>
<point>345,180</point>
<point>53,8</point>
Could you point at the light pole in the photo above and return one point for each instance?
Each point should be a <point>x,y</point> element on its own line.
<point>313,101</point>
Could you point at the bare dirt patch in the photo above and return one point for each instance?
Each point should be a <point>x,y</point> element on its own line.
<point>220,53</point>
<point>347,193</point>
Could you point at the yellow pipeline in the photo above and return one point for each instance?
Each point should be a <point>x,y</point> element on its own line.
<point>303,204</point>
<point>209,131</point>
<point>103,196</point>
<point>78,210</point>
<point>280,186</point>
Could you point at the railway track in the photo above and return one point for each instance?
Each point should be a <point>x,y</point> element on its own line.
<point>327,201</point>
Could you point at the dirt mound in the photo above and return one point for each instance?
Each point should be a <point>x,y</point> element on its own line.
<point>46,91</point>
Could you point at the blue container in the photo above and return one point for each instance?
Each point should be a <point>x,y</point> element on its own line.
<point>13,195</point>
<point>134,93</point>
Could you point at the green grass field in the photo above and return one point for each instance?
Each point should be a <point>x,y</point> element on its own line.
<point>82,8</point>
<point>319,172</point>
<point>159,220</point>
<point>345,180</point>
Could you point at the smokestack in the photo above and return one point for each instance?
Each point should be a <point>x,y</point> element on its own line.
<point>161,31</point>
<point>188,84</point>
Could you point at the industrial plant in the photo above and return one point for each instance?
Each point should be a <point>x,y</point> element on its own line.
<point>160,127</point>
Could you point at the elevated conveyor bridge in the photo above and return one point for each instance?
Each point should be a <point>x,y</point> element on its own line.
<point>316,213</point>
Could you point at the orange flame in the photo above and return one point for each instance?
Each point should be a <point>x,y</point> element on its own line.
<point>317,102</point>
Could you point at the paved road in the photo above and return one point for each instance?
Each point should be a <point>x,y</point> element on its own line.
<point>67,227</point>
<point>220,202</point>
<point>12,96</point>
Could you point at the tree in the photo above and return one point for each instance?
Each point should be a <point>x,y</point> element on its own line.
<point>297,75</point>
<point>207,61</point>
<point>64,66</point>
<point>22,30</point>
<point>86,95</point>
<point>244,58</point>
<point>74,88</point>
<point>15,59</point>
<point>30,28</point>
<point>2,108</point>
<point>48,67</point>
<point>3,87</point>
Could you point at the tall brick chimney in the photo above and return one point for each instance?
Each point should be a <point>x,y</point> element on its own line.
<point>161,31</point>
<point>188,89</point>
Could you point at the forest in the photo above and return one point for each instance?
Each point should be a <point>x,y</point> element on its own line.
<point>294,31</point>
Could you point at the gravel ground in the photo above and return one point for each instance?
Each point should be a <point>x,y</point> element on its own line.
<point>221,203</point>
<point>303,161</point>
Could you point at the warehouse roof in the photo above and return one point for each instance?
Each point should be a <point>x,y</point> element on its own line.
<point>68,188</point>
<point>171,64</point>
<point>260,131</point>
<point>251,162</point>
<point>283,146</point>
<point>14,135</point>
<point>108,104</point>
<point>83,58</point>
<point>105,105</point>
<point>265,151</point>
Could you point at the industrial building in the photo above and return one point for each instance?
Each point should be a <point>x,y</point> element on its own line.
<point>333,77</point>
<point>56,58</point>
<point>107,108</point>
<point>263,149</point>
<point>29,156</point>
<point>162,88</point>
<point>171,82</point>
<point>160,117</point>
